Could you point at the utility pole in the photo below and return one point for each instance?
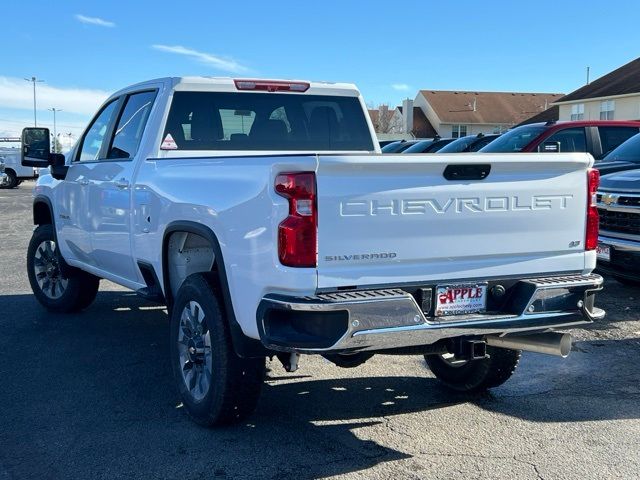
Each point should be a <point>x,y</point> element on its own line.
<point>55,136</point>
<point>588,68</point>
<point>34,80</point>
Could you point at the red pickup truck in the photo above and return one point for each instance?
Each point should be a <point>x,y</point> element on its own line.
<point>598,137</point>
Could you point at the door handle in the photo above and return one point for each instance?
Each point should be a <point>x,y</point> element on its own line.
<point>84,182</point>
<point>467,172</point>
<point>122,183</point>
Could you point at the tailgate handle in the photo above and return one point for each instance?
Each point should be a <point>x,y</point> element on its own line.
<point>467,172</point>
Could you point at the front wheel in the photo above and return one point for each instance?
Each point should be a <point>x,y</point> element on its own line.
<point>57,286</point>
<point>12,180</point>
<point>474,375</point>
<point>217,387</point>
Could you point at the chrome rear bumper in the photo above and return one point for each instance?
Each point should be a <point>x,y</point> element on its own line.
<point>370,320</point>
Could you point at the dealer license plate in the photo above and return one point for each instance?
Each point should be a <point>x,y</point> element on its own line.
<point>603,252</point>
<point>461,299</point>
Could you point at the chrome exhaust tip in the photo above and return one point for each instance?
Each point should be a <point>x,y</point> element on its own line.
<point>550,343</point>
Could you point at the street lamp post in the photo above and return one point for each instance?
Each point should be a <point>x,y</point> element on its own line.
<point>34,80</point>
<point>55,136</point>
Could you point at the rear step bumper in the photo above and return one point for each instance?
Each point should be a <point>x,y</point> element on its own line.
<point>371,320</point>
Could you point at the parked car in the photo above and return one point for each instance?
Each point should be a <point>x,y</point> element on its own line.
<point>624,157</point>
<point>399,146</point>
<point>619,210</point>
<point>310,249</point>
<point>597,137</point>
<point>16,173</point>
<point>429,146</point>
<point>469,143</point>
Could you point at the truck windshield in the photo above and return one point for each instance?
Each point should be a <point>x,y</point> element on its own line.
<point>514,140</point>
<point>629,151</point>
<point>266,121</point>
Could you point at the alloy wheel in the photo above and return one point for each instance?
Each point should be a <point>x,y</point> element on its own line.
<point>47,269</point>
<point>194,349</point>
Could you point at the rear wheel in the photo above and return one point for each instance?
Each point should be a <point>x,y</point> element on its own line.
<point>217,387</point>
<point>475,375</point>
<point>627,281</point>
<point>57,286</point>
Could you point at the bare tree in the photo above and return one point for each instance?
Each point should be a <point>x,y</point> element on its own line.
<point>386,120</point>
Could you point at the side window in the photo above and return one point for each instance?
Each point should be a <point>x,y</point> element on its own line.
<point>94,138</point>
<point>570,139</point>
<point>281,114</point>
<point>130,128</point>
<point>236,123</point>
<point>611,137</point>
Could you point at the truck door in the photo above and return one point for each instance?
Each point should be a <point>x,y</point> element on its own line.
<point>72,220</point>
<point>110,192</point>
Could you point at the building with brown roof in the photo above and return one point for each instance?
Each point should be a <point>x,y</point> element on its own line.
<point>460,113</point>
<point>614,96</point>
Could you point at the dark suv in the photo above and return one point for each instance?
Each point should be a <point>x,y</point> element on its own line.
<point>598,137</point>
<point>619,211</point>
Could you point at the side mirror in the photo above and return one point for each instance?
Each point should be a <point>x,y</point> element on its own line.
<point>549,147</point>
<point>36,147</point>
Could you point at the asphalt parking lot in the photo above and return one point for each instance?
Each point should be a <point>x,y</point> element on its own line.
<point>91,396</point>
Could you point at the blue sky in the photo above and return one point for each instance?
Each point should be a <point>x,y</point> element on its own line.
<point>390,49</point>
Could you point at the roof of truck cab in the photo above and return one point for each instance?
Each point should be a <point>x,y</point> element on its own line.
<point>226,84</point>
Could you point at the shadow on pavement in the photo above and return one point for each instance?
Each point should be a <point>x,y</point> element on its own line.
<point>90,395</point>
<point>600,380</point>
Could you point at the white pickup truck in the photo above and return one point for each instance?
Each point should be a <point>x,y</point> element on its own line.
<point>15,172</point>
<point>265,217</point>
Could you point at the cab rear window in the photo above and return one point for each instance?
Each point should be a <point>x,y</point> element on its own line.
<point>266,121</point>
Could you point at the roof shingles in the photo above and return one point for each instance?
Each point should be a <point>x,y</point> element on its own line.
<point>622,81</point>
<point>499,108</point>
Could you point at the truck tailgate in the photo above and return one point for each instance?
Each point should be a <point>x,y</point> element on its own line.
<point>394,219</point>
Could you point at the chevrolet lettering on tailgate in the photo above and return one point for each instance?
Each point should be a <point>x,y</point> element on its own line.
<point>356,208</point>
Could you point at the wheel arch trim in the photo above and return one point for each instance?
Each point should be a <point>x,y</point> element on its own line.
<point>43,200</point>
<point>243,345</point>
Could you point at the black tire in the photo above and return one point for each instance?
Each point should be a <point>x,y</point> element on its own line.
<point>234,383</point>
<point>627,281</point>
<point>477,375</point>
<point>12,179</point>
<point>69,289</point>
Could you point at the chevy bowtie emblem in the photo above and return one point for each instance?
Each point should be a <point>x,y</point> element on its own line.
<point>609,199</point>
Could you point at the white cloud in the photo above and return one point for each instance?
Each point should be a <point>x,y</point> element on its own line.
<point>18,93</point>
<point>12,127</point>
<point>94,21</point>
<point>221,63</point>
<point>401,87</point>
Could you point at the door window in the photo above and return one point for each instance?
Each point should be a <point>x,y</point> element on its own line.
<point>94,138</point>
<point>570,139</point>
<point>611,137</point>
<point>131,125</point>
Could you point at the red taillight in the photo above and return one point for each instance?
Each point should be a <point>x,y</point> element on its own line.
<point>271,85</point>
<point>297,234</point>
<point>591,237</point>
